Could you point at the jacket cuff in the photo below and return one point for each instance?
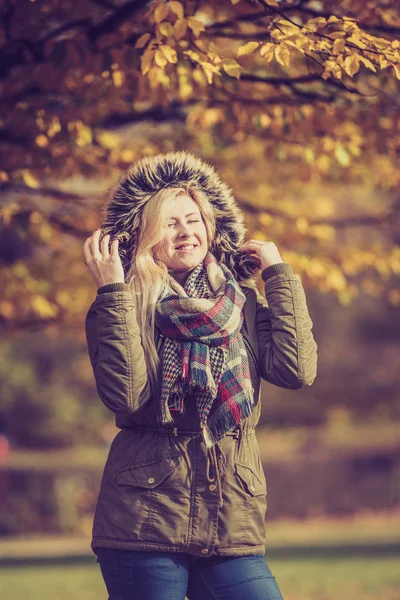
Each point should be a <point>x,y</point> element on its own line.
<point>277,269</point>
<point>120,286</point>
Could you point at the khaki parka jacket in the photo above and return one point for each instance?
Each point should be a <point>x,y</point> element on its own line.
<point>161,488</point>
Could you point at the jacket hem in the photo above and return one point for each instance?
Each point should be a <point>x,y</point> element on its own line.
<point>150,546</point>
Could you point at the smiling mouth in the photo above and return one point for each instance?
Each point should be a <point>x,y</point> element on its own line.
<point>186,248</point>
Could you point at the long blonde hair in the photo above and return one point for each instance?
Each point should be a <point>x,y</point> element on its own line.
<point>148,277</point>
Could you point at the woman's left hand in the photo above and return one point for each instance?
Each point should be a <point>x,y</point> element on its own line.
<point>267,252</point>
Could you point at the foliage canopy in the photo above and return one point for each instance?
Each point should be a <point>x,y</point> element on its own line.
<point>295,102</point>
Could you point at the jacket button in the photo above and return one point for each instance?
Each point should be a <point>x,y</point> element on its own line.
<point>212,487</point>
<point>204,551</point>
<point>151,480</point>
<point>253,489</point>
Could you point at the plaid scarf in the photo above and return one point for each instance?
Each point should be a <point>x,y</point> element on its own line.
<point>204,352</point>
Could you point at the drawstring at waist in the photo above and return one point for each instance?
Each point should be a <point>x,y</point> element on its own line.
<point>215,455</point>
<point>218,466</point>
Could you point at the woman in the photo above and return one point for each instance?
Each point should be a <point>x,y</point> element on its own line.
<point>178,339</point>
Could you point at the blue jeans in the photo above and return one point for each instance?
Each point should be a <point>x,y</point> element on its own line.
<point>137,575</point>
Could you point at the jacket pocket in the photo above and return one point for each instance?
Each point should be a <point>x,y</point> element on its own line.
<point>149,474</point>
<point>253,482</point>
<point>152,500</point>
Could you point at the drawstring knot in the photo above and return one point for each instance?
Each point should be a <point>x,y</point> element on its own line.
<point>219,465</point>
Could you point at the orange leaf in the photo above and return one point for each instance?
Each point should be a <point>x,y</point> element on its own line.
<point>161,12</point>
<point>196,26</point>
<point>177,9</point>
<point>142,41</point>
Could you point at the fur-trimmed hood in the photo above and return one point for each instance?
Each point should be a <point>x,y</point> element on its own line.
<point>127,197</point>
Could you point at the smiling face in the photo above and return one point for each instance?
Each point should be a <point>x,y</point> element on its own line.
<point>184,244</point>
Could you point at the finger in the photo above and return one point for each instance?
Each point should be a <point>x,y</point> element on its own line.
<point>87,249</point>
<point>104,246</point>
<point>95,245</point>
<point>257,242</point>
<point>114,248</point>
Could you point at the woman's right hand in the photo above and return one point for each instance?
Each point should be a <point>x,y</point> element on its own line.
<point>104,263</point>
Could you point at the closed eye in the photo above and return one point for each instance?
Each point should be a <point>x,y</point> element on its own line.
<point>192,221</point>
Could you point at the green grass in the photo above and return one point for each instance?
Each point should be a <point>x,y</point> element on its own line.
<point>321,564</point>
<point>347,578</point>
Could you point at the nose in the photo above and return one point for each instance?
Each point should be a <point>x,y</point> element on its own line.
<point>184,230</point>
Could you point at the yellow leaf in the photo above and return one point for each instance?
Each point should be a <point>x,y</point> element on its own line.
<point>146,60</point>
<point>196,26</point>
<point>316,23</point>
<point>352,64</point>
<point>231,67</point>
<point>209,70</point>
<point>265,120</point>
<point>300,44</point>
<point>185,88</point>
<point>309,155</point>
<point>267,51</point>
<point>396,70</point>
<point>161,12</point>
<point>333,19</point>
<point>166,29</point>
<point>199,76</point>
<point>350,26</point>
<point>357,42</point>
<point>107,139</point>
<point>337,34</point>
<point>180,28</point>
<point>154,77</point>
<point>30,180</point>
<point>54,127</point>
<point>42,307</point>
<point>211,116</point>
<point>160,59</point>
<point>395,44</point>
<point>127,155</point>
<point>118,78</point>
<point>383,63</point>
<point>367,63</point>
<point>271,2</point>
<point>276,34</point>
<point>287,23</point>
<point>282,55</point>
<point>83,133</point>
<point>169,53</point>
<point>210,66</point>
<point>235,1</point>
<point>142,41</point>
<point>193,55</point>
<point>339,45</point>
<point>247,48</point>
<point>177,9</point>
<point>342,156</point>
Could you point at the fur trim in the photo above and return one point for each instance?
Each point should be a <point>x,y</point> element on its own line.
<point>127,197</point>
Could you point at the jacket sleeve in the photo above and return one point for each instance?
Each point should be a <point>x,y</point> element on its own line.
<point>115,349</point>
<point>287,348</point>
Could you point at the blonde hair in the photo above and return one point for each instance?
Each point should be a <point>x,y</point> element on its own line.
<point>147,277</point>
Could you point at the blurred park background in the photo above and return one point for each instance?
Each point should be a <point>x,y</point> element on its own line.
<point>297,104</point>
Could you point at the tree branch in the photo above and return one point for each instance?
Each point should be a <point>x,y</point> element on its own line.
<point>15,57</point>
<point>337,223</point>
<point>173,112</point>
